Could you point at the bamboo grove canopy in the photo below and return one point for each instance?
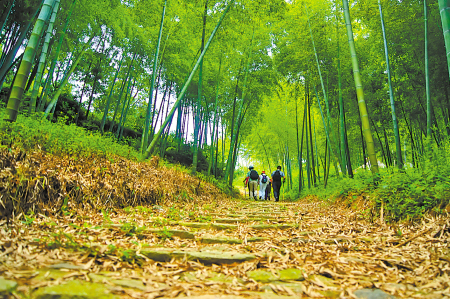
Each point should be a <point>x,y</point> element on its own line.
<point>310,85</point>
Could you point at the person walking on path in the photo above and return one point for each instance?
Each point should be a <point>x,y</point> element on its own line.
<point>277,175</point>
<point>263,181</point>
<point>246,186</point>
<point>268,189</point>
<point>253,182</point>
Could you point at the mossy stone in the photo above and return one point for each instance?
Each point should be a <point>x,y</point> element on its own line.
<point>97,277</point>
<point>195,224</point>
<point>324,280</point>
<point>372,294</point>
<point>74,289</point>
<point>220,240</point>
<point>220,257</point>
<point>263,226</point>
<point>7,286</point>
<point>182,234</point>
<point>210,257</point>
<point>296,287</point>
<point>257,239</point>
<point>159,255</point>
<point>129,283</point>
<point>236,215</point>
<point>223,226</point>
<point>286,226</point>
<point>220,277</point>
<point>291,274</point>
<point>49,274</point>
<point>230,220</point>
<point>261,276</point>
<point>330,293</point>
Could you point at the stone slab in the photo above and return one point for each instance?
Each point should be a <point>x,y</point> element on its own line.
<point>195,224</point>
<point>372,294</point>
<point>129,283</point>
<point>223,226</point>
<point>207,257</point>
<point>230,220</point>
<point>182,234</point>
<point>272,226</point>
<point>7,286</point>
<point>262,276</point>
<point>74,289</point>
<point>257,239</point>
<point>219,240</point>
<point>291,274</point>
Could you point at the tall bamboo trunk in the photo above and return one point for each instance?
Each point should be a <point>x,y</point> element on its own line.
<point>152,145</point>
<point>43,57</point>
<point>444,8</point>
<point>360,94</point>
<point>398,148</point>
<point>298,143</point>
<point>144,138</point>
<point>124,106</point>
<point>199,98</point>
<point>312,163</point>
<point>23,72</point>
<point>347,151</point>
<point>10,52</point>
<point>215,124</point>
<point>116,110</point>
<point>108,101</point>
<point>52,104</point>
<point>308,162</point>
<point>427,75</point>
<point>325,97</point>
<point>341,109</point>
<point>234,135</point>
<point>5,16</point>
<point>48,81</point>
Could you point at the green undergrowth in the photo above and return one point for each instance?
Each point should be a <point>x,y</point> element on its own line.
<point>406,194</point>
<point>58,138</point>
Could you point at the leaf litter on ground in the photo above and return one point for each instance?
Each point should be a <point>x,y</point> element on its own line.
<point>336,248</point>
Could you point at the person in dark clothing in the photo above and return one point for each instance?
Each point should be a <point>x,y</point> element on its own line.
<point>268,190</point>
<point>277,176</point>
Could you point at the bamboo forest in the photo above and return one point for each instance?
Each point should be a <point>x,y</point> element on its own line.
<point>224,149</point>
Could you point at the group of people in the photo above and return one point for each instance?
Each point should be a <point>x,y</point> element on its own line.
<point>253,180</point>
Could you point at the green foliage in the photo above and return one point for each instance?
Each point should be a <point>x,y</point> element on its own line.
<point>59,138</point>
<point>131,229</point>
<point>165,234</point>
<point>106,219</point>
<point>29,219</point>
<point>404,195</point>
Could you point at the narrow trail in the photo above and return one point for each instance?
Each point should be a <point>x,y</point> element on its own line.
<point>227,249</point>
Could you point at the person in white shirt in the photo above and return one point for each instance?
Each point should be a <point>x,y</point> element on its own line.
<point>263,181</point>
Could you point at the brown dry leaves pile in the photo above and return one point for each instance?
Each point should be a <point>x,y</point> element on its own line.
<point>43,182</point>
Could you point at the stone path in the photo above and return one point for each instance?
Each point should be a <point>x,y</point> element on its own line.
<point>228,249</point>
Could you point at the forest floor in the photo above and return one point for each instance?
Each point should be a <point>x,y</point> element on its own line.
<point>223,249</point>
